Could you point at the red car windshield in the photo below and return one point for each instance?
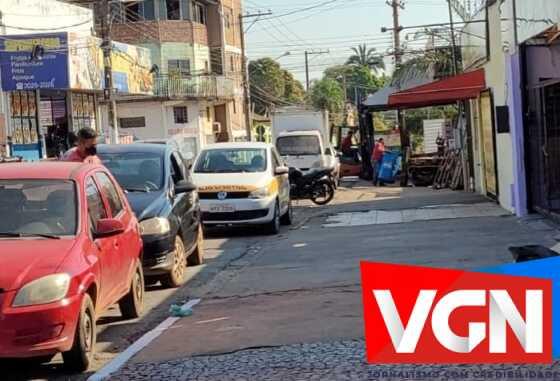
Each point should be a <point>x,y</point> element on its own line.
<point>38,207</point>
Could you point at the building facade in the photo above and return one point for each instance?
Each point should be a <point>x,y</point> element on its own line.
<point>197,67</point>
<point>515,123</point>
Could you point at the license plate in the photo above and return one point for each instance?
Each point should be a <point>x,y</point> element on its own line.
<point>222,208</point>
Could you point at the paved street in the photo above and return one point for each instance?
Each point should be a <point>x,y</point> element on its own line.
<point>289,307</point>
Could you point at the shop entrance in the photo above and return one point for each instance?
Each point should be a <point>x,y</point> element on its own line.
<point>543,140</point>
<point>54,122</point>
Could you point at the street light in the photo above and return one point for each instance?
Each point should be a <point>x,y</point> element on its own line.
<point>283,55</point>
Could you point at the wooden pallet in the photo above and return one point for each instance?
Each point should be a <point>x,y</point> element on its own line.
<point>450,173</point>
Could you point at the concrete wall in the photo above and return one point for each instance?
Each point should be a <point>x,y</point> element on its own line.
<point>495,69</point>
<point>160,121</point>
<point>496,81</point>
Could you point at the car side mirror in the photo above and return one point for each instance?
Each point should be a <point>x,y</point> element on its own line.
<point>281,171</point>
<point>108,227</point>
<point>184,186</point>
<point>339,154</point>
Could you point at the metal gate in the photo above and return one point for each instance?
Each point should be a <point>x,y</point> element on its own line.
<point>543,146</point>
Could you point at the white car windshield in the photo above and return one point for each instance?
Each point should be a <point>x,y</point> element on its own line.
<point>232,160</point>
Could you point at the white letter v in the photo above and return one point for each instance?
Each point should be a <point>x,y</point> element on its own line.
<point>405,339</point>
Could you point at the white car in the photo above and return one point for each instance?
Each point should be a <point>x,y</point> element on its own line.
<point>243,184</point>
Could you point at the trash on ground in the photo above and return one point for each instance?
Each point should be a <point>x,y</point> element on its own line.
<point>180,311</point>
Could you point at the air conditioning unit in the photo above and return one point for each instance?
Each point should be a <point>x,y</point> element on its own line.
<point>217,127</point>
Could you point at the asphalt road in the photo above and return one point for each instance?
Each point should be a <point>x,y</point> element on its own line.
<point>301,287</point>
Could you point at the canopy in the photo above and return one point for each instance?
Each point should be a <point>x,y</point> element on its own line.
<point>446,91</point>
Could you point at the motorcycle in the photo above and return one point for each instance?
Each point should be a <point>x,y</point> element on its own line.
<point>316,185</point>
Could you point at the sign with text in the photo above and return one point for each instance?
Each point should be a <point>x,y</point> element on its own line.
<point>48,70</point>
<point>419,315</point>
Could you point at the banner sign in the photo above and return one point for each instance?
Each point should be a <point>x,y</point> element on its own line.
<point>48,70</point>
<point>420,315</point>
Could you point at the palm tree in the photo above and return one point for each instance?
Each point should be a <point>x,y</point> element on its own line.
<point>367,57</point>
<point>436,64</point>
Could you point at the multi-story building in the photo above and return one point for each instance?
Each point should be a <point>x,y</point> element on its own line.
<point>196,52</point>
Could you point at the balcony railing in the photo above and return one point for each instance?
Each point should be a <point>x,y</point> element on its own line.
<point>200,86</point>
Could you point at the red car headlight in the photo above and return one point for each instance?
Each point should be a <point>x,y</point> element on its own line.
<point>48,289</point>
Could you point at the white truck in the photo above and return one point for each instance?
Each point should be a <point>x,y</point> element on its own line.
<point>302,137</point>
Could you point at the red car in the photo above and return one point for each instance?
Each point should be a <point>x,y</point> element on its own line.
<point>70,247</point>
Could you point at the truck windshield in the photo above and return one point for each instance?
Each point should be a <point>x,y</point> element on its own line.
<point>298,145</point>
<point>234,160</point>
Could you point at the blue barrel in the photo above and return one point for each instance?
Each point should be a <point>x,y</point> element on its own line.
<point>389,163</point>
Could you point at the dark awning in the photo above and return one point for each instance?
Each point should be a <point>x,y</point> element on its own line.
<point>446,91</point>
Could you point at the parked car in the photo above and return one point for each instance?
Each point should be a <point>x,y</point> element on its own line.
<point>186,151</point>
<point>243,184</point>
<point>70,247</point>
<point>165,200</point>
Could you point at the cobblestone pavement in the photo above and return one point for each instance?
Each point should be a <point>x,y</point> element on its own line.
<point>330,361</point>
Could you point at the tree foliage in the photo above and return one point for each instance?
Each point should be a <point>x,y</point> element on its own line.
<point>359,80</point>
<point>327,94</point>
<point>273,86</point>
<point>368,58</point>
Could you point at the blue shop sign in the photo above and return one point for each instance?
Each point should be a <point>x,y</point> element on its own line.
<point>47,71</point>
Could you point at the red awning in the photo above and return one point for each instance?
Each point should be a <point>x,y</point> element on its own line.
<point>446,91</point>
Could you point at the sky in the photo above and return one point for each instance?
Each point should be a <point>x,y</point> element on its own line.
<point>334,25</point>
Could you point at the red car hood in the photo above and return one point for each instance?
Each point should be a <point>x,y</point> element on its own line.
<point>22,260</point>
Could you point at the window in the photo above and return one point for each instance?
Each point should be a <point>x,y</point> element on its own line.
<point>299,145</point>
<point>96,209</point>
<point>228,18</point>
<point>179,67</point>
<point>276,157</point>
<point>38,207</point>
<point>231,63</point>
<point>199,13</point>
<point>208,114</point>
<point>173,8</point>
<point>234,160</point>
<point>133,122</point>
<point>234,107</point>
<point>136,171</point>
<point>177,168</point>
<point>133,12</point>
<point>181,115</point>
<point>111,193</point>
<point>206,67</point>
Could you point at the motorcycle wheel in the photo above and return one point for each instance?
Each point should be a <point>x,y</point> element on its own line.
<point>322,193</point>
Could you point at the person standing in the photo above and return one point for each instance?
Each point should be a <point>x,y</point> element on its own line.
<point>377,158</point>
<point>86,149</point>
<point>346,146</point>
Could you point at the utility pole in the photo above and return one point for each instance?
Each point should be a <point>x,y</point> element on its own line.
<point>246,83</point>
<point>453,42</point>
<point>396,4</point>
<point>107,50</point>
<point>307,54</point>
<point>405,144</point>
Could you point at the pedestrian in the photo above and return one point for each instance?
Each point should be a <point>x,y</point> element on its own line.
<point>377,158</point>
<point>346,146</point>
<point>86,149</point>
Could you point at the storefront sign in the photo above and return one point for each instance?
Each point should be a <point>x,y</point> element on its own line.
<point>48,70</point>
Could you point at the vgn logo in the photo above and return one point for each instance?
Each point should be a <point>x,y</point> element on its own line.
<point>418,315</point>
